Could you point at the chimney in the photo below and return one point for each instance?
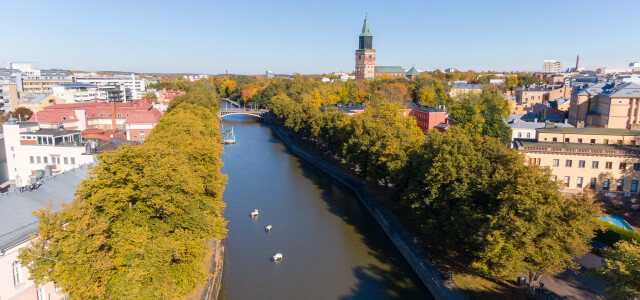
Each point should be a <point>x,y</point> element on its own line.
<point>577,63</point>
<point>113,115</point>
<point>535,120</point>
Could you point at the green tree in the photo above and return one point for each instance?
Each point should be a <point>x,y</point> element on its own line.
<point>21,113</point>
<point>621,270</point>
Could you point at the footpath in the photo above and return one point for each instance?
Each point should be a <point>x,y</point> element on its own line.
<point>431,277</point>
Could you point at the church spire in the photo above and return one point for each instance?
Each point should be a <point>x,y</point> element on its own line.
<point>366,38</point>
<point>365,27</point>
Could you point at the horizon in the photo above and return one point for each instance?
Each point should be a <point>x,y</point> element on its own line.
<point>316,38</point>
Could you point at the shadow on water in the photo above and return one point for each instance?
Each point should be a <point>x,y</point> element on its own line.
<point>398,281</point>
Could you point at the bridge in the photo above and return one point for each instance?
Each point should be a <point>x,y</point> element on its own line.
<point>235,109</point>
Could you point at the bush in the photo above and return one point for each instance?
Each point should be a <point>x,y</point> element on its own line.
<point>612,234</point>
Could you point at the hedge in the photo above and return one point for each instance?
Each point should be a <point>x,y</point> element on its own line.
<point>613,234</point>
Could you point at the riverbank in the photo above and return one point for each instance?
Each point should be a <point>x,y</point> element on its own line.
<point>215,265</point>
<point>431,277</point>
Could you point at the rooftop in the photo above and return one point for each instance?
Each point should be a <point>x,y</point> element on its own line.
<point>423,108</point>
<point>413,72</point>
<point>389,69</point>
<point>578,147</point>
<point>467,86</point>
<point>590,131</point>
<point>75,85</point>
<point>16,222</point>
<point>51,132</point>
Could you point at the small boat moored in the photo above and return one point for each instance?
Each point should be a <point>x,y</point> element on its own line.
<point>254,213</point>
<point>277,257</point>
<point>268,228</point>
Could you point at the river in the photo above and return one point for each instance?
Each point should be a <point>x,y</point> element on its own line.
<point>332,248</point>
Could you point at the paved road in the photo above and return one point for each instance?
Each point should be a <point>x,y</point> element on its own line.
<point>576,285</point>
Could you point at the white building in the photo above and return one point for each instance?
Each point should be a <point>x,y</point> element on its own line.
<point>132,85</point>
<point>79,92</point>
<point>18,224</point>
<point>33,152</point>
<point>551,66</point>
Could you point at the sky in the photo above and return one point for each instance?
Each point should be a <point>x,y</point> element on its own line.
<point>315,37</point>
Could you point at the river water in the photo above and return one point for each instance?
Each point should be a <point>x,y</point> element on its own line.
<point>332,248</point>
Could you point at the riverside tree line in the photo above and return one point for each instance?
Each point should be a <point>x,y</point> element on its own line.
<point>138,226</point>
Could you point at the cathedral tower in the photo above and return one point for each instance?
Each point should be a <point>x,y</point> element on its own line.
<point>365,55</point>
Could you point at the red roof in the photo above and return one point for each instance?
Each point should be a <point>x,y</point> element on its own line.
<point>54,116</point>
<point>138,112</point>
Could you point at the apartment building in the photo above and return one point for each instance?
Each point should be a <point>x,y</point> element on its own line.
<point>529,96</point>
<point>36,102</point>
<point>551,66</point>
<point>32,151</point>
<point>17,225</point>
<point>79,92</point>
<point>601,159</point>
<point>43,82</point>
<point>460,88</point>
<point>606,105</point>
<point>428,117</point>
<point>132,86</point>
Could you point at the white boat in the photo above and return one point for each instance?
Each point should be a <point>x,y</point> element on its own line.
<point>268,228</point>
<point>277,257</point>
<point>254,213</point>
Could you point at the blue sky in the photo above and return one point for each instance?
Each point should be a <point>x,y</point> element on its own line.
<point>311,37</point>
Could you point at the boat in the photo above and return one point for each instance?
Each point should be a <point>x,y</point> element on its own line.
<point>277,257</point>
<point>254,213</point>
<point>268,228</point>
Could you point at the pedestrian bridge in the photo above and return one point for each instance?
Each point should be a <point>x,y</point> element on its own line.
<point>241,111</point>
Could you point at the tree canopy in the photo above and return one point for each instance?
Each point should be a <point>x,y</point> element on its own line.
<point>621,270</point>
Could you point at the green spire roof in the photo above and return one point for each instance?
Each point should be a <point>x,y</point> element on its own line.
<point>413,71</point>
<point>365,28</point>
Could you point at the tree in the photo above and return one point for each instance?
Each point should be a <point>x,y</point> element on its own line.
<point>621,270</point>
<point>482,114</point>
<point>21,113</point>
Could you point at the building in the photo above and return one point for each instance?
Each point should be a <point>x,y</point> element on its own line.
<point>523,130</point>
<point>428,117</point>
<point>8,94</point>
<point>102,120</point>
<point>126,87</point>
<point>36,102</point>
<point>606,105</point>
<point>536,94</point>
<point>18,224</point>
<point>601,159</point>
<point>349,108</point>
<point>460,88</point>
<point>30,148</point>
<point>389,71</point>
<point>365,55</point>
<point>165,96</point>
<point>551,66</point>
<point>450,70</point>
<point>79,92</point>
<point>413,73</point>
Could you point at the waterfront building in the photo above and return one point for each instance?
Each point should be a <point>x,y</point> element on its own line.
<point>461,88</point>
<point>551,66</point>
<point>601,159</point>
<point>18,224</point>
<point>606,105</point>
<point>365,55</point>
<point>103,120</point>
<point>30,148</point>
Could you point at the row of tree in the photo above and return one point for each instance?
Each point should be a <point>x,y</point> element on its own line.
<point>465,183</point>
<point>138,226</point>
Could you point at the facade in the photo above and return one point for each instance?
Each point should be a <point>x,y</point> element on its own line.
<point>460,88</point>
<point>532,95</point>
<point>551,66</point>
<point>30,148</point>
<point>102,120</point>
<point>523,130</point>
<point>18,224</point>
<point>606,105</point>
<point>8,94</point>
<point>390,71</point>
<point>165,96</point>
<point>365,55</point>
<point>129,87</point>
<point>37,102</point>
<point>600,159</point>
<point>428,117</point>
<point>79,92</point>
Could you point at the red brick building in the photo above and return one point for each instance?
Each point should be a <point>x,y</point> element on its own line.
<point>429,117</point>
<point>365,55</point>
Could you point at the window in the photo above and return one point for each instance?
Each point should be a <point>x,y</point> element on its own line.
<point>619,142</point>
<point>566,181</point>
<point>620,186</point>
<point>17,273</point>
<point>579,182</point>
<point>593,141</point>
<point>636,167</point>
<point>581,164</point>
<point>555,139</point>
<point>592,184</point>
<point>605,185</point>
<point>119,115</point>
<point>579,140</point>
<point>38,159</point>
<point>528,135</point>
<point>40,294</point>
<point>605,141</point>
<point>634,185</point>
<point>519,134</point>
<point>31,159</point>
<point>556,162</point>
<point>567,140</point>
<point>66,160</point>
<point>568,163</point>
<point>45,159</point>
<point>623,166</point>
<point>608,165</point>
<point>73,160</point>
<point>594,164</point>
<point>554,178</point>
<point>141,135</point>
